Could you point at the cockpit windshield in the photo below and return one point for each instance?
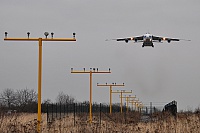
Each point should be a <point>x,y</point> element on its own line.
<point>147,36</point>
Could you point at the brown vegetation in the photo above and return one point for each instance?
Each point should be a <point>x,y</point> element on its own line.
<point>26,123</point>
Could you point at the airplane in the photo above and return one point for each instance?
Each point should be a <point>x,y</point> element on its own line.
<point>148,39</point>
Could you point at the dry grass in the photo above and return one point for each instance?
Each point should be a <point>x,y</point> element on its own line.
<point>19,123</point>
<point>26,123</point>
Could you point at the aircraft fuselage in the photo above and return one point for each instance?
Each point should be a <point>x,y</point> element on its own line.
<point>147,40</point>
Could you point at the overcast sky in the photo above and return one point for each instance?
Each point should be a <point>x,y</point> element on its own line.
<point>169,71</point>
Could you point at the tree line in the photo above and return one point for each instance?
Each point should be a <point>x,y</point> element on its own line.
<point>25,100</point>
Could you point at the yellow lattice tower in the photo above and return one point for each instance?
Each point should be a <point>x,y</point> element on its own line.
<point>91,71</point>
<point>138,104</point>
<point>121,93</point>
<point>39,40</point>
<point>110,86</point>
<point>127,99</point>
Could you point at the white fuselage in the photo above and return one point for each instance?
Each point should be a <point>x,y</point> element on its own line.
<point>147,40</point>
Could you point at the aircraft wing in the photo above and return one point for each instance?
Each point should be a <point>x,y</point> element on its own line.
<point>157,38</point>
<point>126,39</point>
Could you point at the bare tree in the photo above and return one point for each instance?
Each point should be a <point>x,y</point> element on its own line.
<point>25,97</point>
<point>64,98</point>
<point>24,100</point>
<point>47,101</point>
<point>8,97</point>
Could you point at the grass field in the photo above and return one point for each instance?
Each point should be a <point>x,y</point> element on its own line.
<point>27,123</point>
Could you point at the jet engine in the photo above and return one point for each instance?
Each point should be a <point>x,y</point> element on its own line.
<point>168,40</point>
<point>126,40</point>
<point>135,40</point>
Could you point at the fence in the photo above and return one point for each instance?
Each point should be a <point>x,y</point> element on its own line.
<point>99,112</point>
<point>57,111</point>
